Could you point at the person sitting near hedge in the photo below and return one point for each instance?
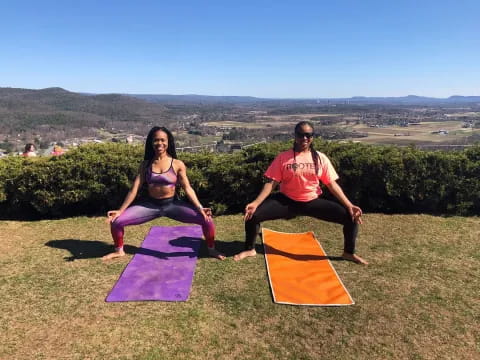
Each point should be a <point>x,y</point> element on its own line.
<point>57,150</point>
<point>299,172</point>
<point>29,151</point>
<point>161,170</point>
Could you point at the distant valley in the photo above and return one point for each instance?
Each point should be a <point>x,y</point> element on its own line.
<point>223,123</point>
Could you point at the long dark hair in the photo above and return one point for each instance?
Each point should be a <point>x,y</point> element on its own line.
<point>150,153</point>
<point>315,157</point>
<point>29,146</point>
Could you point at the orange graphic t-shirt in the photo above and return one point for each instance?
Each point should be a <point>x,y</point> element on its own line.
<point>297,177</point>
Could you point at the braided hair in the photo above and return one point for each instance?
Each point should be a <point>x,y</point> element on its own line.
<point>315,157</point>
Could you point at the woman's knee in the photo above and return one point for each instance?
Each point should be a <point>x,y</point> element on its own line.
<point>254,220</point>
<point>207,222</point>
<point>117,224</point>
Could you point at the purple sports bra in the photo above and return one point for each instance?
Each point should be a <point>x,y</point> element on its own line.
<point>167,178</point>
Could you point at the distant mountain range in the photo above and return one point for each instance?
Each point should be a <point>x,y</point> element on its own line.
<point>403,100</point>
<point>199,99</point>
<point>70,98</point>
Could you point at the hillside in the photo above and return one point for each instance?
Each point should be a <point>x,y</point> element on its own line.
<point>15,102</point>
<point>54,113</point>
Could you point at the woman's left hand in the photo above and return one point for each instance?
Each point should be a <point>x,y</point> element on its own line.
<point>356,214</point>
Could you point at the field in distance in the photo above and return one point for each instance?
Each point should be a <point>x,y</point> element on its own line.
<point>425,132</point>
<point>434,132</point>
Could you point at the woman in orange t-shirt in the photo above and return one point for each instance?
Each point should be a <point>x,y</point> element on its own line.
<point>299,172</point>
<point>57,150</point>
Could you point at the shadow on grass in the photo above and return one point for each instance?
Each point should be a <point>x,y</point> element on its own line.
<point>89,249</point>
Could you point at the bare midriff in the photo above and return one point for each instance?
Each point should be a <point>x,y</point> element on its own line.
<point>161,191</point>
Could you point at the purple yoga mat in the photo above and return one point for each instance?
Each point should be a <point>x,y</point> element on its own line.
<point>163,267</point>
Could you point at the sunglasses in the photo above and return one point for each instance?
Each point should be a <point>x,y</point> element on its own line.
<point>301,135</point>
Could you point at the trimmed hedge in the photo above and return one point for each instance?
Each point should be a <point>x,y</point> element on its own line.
<point>85,181</point>
<point>94,178</point>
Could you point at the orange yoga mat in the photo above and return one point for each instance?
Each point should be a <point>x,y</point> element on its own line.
<point>300,272</point>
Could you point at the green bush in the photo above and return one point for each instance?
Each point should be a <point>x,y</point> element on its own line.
<point>87,180</point>
<point>408,180</point>
<point>10,168</point>
<point>94,178</point>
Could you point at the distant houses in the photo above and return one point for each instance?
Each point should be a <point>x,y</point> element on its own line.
<point>225,146</point>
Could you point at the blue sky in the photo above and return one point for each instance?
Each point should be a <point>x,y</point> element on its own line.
<point>275,49</point>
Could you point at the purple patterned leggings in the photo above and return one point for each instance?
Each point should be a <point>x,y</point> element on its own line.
<point>150,208</point>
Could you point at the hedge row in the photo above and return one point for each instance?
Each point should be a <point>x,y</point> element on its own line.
<point>94,178</point>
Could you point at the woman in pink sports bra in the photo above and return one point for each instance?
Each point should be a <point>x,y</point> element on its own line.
<point>299,172</point>
<point>161,170</point>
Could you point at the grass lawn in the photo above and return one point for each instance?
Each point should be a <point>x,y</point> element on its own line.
<point>418,299</point>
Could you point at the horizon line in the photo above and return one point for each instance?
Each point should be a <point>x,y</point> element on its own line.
<point>240,96</point>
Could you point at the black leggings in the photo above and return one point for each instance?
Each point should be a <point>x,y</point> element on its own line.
<point>278,206</point>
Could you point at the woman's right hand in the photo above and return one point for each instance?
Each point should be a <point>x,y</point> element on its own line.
<point>250,210</point>
<point>112,215</point>
<point>206,213</point>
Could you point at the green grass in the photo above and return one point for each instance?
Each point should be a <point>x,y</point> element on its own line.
<point>418,298</point>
